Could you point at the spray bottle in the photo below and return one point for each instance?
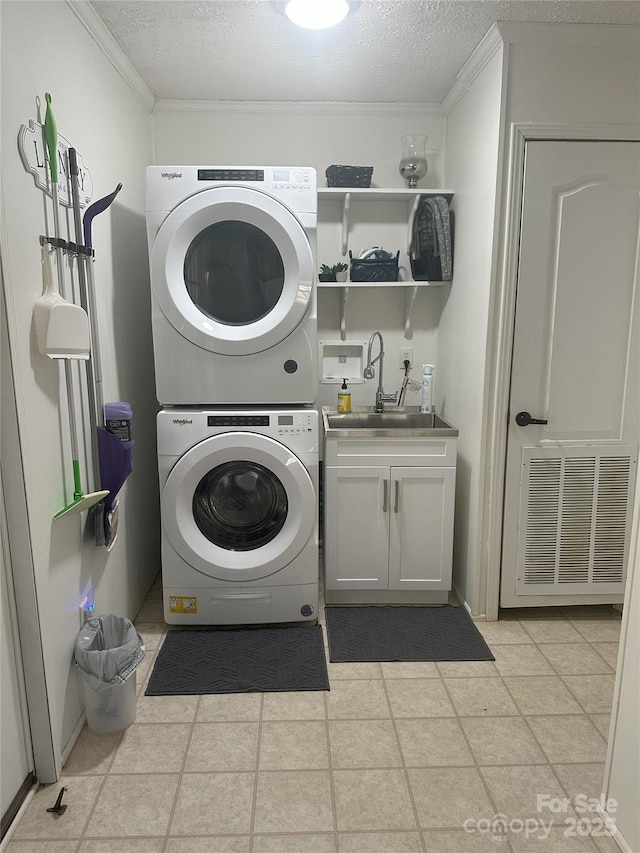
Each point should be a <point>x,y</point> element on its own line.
<point>427,388</point>
<point>344,398</point>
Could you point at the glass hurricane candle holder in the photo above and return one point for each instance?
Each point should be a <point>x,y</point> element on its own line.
<point>413,163</point>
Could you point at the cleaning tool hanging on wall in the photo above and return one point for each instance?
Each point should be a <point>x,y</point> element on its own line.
<point>115,451</point>
<point>116,461</point>
<point>80,501</point>
<point>85,301</point>
<point>90,213</point>
<point>62,328</point>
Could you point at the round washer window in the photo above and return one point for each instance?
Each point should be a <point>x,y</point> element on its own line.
<point>240,506</point>
<point>234,273</point>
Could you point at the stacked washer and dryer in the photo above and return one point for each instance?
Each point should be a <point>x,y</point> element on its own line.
<point>232,256</point>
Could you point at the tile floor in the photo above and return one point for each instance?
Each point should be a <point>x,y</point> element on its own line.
<point>394,759</point>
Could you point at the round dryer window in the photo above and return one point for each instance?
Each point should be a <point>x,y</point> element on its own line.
<point>239,506</point>
<point>232,270</point>
<point>234,273</point>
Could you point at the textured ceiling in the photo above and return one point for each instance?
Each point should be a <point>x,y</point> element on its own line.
<point>386,50</point>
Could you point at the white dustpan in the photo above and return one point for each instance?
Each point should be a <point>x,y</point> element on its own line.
<point>62,329</point>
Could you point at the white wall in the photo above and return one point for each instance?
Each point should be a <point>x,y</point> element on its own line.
<point>318,135</point>
<point>46,48</point>
<point>297,134</point>
<point>622,782</point>
<point>473,128</point>
<point>573,74</point>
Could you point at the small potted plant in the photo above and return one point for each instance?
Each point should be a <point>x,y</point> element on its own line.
<point>327,273</point>
<point>340,271</point>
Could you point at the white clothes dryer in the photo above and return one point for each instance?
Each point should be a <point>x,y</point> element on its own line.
<point>232,257</point>
<point>239,505</point>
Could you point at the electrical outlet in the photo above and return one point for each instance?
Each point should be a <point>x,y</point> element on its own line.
<point>406,354</point>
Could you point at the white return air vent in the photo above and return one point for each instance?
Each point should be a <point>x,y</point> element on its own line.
<point>575,519</point>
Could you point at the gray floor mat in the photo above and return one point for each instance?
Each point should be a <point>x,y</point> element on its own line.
<point>403,634</point>
<point>240,660</point>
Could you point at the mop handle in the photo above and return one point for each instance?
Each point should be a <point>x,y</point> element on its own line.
<point>77,221</point>
<point>85,271</point>
<point>93,321</point>
<point>93,363</point>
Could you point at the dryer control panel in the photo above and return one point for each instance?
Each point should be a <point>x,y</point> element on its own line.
<point>238,420</point>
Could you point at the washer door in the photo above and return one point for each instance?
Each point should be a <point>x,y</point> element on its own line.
<point>238,506</point>
<point>232,270</point>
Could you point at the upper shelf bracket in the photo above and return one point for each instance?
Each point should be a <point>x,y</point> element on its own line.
<point>346,204</point>
<point>409,301</point>
<point>412,214</point>
<point>344,298</point>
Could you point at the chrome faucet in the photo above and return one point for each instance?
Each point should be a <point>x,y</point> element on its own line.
<point>369,373</point>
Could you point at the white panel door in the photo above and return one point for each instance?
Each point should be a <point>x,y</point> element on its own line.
<point>421,533</point>
<point>575,360</point>
<point>357,527</point>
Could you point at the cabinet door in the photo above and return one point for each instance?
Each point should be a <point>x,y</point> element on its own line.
<point>356,534</point>
<point>421,528</point>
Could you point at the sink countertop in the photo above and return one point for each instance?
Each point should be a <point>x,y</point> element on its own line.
<point>394,422</point>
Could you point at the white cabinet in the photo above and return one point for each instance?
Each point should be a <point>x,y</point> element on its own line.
<point>357,219</point>
<point>356,532</point>
<point>388,527</point>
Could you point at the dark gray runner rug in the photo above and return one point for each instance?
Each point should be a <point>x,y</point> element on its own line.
<point>240,660</point>
<point>403,633</point>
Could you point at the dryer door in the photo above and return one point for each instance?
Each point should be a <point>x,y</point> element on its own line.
<point>232,270</point>
<point>238,506</point>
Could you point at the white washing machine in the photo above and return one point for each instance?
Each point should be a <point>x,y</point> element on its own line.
<point>232,256</point>
<point>239,504</point>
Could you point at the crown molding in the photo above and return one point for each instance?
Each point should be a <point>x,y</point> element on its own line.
<point>486,49</point>
<point>321,108</point>
<point>98,31</point>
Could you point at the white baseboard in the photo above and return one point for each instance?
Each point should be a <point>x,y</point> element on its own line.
<point>618,837</point>
<point>480,618</point>
<point>75,734</point>
<point>14,823</point>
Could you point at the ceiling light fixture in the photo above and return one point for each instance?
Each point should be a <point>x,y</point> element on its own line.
<point>316,14</point>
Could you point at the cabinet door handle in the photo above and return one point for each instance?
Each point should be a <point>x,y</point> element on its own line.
<point>385,495</point>
<point>397,498</point>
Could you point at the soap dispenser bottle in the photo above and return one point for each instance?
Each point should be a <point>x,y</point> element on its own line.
<point>427,388</point>
<point>344,398</point>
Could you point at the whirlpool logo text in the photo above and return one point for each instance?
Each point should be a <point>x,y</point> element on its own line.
<point>170,175</point>
<point>182,421</point>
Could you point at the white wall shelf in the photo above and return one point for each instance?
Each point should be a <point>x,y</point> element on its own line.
<point>347,194</point>
<point>410,289</point>
<point>349,198</point>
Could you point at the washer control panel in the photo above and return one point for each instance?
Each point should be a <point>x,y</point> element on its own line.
<point>294,424</point>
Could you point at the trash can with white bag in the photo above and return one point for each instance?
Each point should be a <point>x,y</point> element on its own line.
<point>108,650</point>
